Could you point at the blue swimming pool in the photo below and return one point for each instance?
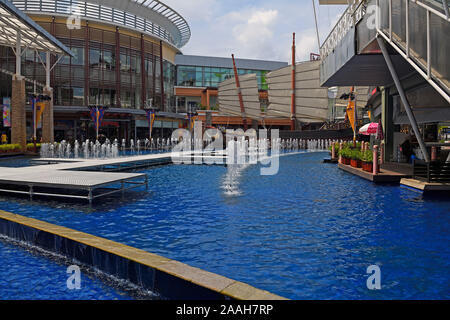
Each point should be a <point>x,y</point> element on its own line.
<point>24,275</point>
<point>309,232</point>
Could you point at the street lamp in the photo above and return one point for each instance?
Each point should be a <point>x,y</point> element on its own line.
<point>35,99</point>
<point>151,116</point>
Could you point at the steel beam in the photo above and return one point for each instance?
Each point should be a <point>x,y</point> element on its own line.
<point>412,118</point>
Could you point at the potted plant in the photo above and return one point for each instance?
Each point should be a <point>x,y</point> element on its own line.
<point>355,161</point>
<point>367,161</point>
<point>345,153</point>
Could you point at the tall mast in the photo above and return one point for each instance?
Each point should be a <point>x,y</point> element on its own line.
<point>293,86</point>
<point>241,100</point>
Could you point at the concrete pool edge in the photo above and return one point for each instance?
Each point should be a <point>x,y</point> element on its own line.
<point>169,278</point>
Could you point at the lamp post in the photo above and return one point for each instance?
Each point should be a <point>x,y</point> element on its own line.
<point>151,116</point>
<point>191,113</point>
<point>35,99</point>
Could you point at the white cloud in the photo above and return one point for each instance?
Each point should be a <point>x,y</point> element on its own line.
<point>254,32</point>
<point>194,10</point>
<point>254,29</point>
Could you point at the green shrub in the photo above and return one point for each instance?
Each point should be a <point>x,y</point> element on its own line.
<point>346,152</point>
<point>367,156</point>
<point>355,154</point>
<point>9,148</point>
<point>31,145</point>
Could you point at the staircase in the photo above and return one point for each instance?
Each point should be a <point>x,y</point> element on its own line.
<point>432,171</point>
<point>419,30</point>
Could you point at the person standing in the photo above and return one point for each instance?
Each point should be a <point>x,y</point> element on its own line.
<point>4,138</point>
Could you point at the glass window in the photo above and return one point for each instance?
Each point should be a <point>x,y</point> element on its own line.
<point>125,99</point>
<point>135,64</point>
<point>187,76</point>
<point>125,63</point>
<point>78,96</point>
<point>109,97</point>
<point>94,57</point>
<point>109,60</point>
<point>93,95</point>
<point>216,77</point>
<point>78,56</point>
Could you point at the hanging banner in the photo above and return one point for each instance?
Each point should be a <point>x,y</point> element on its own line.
<point>6,112</point>
<point>351,114</point>
<point>40,107</point>
<point>151,116</point>
<point>97,115</point>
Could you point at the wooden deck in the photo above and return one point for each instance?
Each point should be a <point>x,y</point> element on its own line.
<point>89,178</point>
<point>54,177</point>
<point>425,186</point>
<point>385,176</point>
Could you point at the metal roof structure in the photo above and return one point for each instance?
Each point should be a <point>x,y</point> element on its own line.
<point>217,62</point>
<point>14,23</point>
<point>149,16</point>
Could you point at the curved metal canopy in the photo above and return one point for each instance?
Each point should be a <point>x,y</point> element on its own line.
<point>151,16</point>
<point>13,22</point>
<point>155,11</point>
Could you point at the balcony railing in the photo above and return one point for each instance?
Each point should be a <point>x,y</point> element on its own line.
<point>416,29</point>
<point>351,16</point>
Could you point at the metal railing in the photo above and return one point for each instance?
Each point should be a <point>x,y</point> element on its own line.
<point>422,63</point>
<point>109,15</point>
<point>351,16</point>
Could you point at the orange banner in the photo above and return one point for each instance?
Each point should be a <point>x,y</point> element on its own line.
<point>40,107</point>
<point>351,114</point>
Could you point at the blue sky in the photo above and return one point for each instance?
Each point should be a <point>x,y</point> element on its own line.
<point>254,29</point>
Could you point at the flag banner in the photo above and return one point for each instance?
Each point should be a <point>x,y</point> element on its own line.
<point>351,114</point>
<point>151,116</point>
<point>40,107</point>
<point>6,112</point>
<point>97,115</point>
<point>193,119</point>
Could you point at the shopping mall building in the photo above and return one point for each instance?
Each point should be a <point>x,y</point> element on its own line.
<point>125,53</point>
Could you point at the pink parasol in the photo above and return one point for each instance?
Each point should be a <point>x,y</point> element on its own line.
<point>369,129</point>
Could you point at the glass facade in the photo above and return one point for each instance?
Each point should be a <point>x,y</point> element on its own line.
<point>190,76</point>
<point>106,69</point>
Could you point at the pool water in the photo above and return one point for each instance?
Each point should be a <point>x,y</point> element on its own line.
<point>24,275</point>
<point>310,232</point>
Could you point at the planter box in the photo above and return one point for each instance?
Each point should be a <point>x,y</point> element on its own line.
<point>355,163</point>
<point>367,166</point>
<point>346,161</point>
